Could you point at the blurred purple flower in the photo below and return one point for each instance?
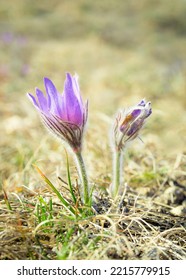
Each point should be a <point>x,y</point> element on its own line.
<point>129,122</point>
<point>63,114</point>
<point>7,37</point>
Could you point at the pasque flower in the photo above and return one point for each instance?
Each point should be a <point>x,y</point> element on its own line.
<point>65,115</point>
<point>127,126</point>
<point>129,122</point>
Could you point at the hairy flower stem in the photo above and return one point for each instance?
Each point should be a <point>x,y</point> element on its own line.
<point>83,178</point>
<point>117,169</point>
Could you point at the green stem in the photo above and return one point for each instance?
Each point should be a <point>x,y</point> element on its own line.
<point>83,178</point>
<point>117,168</point>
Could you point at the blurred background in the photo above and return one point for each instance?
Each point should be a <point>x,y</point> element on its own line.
<point>122,51</point>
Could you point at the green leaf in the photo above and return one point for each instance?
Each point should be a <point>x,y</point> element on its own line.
<point>69,180</point>
<point>65,203</point>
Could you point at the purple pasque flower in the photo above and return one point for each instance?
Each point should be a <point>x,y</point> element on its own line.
<point>129,122</point>
<point>63,114</point>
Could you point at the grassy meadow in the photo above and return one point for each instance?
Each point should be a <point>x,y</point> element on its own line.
<point>123,51</point>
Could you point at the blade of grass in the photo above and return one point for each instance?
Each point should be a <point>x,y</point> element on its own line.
<point>65,203</point>
<point>69,179</point>
<point>7,200</point>
<point>63,254</point>
<point>51,208</point>
<point>38,213</point>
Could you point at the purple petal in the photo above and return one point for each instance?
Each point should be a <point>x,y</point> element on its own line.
<point>53,97</point>
<point>68,86</point>
<point>135,113</point>
<point>76,88</point>
<point>32,98</point>
<point>76,117</point>
<point>75,78</point>
<point>42,100</point>
<point>135,127</point>
<point>142,103</point>
<point>72,83</point>
<point>72,108</point>
<point>132,130</point>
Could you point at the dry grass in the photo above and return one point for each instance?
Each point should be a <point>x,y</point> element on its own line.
<point>122,53</point>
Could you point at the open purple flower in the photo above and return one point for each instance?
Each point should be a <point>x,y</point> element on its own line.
<point>63,114</point>
<point>129,122</point>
